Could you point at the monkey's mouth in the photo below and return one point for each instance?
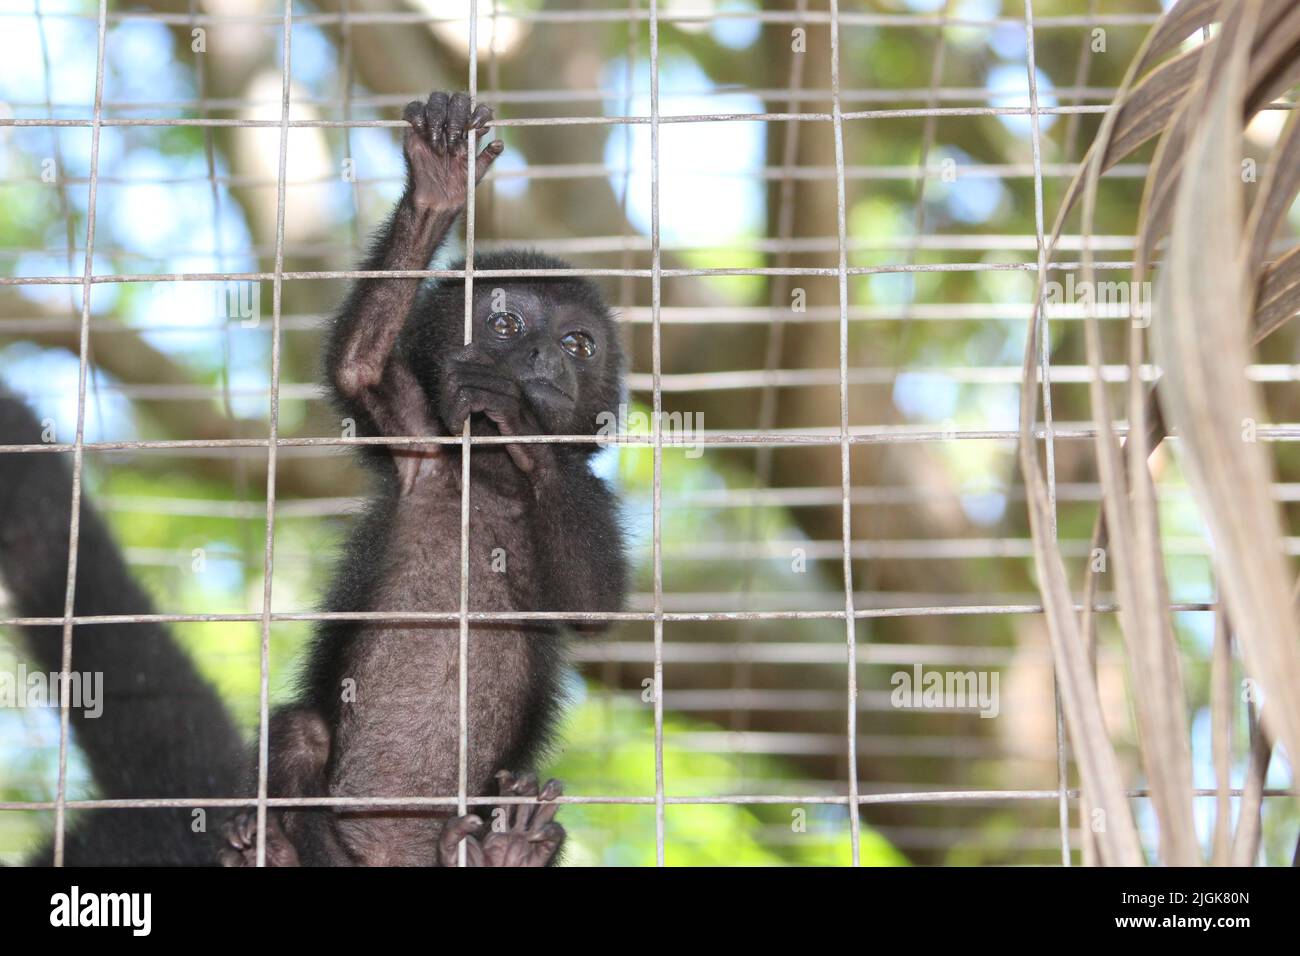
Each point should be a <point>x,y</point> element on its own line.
<point>548,389</point>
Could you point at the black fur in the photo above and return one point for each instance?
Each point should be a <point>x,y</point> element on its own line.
<point>397,365</point>
<point>164,731</point>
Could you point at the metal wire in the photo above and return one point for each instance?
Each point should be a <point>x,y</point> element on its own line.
<point>846,478</point>
<point>268,576</point>
<point>462,664</point>
<point>864,799</point>
<point>656,358</point>
<point>1045,376</point>
<point>78,456</point>
<point>579,17</point>
<point>659,609</point>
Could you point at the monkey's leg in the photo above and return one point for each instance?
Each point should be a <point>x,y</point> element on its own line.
<point>530,837</point>
<point>299,751</point>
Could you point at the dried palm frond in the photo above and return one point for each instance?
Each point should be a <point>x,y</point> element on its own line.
<point>1218,294</point>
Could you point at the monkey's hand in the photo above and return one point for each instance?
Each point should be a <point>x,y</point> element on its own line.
<point>239,842</point>
<point>437,150</point>
<point>530,836</point>
<point>473,385</point>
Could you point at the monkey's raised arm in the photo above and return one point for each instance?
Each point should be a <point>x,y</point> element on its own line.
<point>369,378</point>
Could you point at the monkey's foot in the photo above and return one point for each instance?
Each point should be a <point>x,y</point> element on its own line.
<point>239,842</point>
<point>528,834</point>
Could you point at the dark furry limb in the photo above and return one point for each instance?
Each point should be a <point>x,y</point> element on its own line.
<point>377,713</point>
<point>164,731</point>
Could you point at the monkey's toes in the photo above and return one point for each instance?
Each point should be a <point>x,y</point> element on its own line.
<point>453,832</point>
<point>513,848</point>
<point>240,842</point>
<point>529,819</point>
<point>524,785</point>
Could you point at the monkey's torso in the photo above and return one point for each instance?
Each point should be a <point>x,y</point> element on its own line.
<point>390,689</point>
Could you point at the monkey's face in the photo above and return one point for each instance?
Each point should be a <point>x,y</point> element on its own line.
<point>552,340</point>
<point>556,350</point>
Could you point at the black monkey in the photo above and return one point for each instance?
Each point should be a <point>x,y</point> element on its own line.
<point>545,359</point>
<point>163,730</point>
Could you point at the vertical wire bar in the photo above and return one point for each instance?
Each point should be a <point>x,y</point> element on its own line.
<point>1074,120</point>
<point>494,86</point>
<point>65,208</point>
<point>462,705</point>
<point>764,456</point>
<point>56,153</point>
<point>78,451</point>
<point>1045,369</point>
<point>929,132</point>
<point>1088,841</point>
<point>656,281</point>
<point>846,508</point>
<point>610,669</point>
<point>272,448</point>
<point>238,464</point>
<point>345,81</point>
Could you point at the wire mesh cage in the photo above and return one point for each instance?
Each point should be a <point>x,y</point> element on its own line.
<point>822,227</point>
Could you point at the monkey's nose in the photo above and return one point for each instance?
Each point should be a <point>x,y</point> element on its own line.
<point>546,363</point>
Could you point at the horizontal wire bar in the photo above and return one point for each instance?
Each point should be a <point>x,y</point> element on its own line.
<point>618,17</point>
<point>739,379</point>
<point>859,435</point>
<point>633,120</point>
<point>637,315</point>
<point>890,549</point>
<point>928,796</point>
<point>552,171</point>
<point>524,121</point>
<point>933,242</point>
<point>822,272</point>
<point>689,500</point>
<point>444,617</point>
<point>569,95</point>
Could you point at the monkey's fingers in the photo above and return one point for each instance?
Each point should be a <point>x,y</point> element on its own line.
<point>415,115</point>
<point>435,117</point>
<point>481,118</point>
<point>477,371</point>
<point>476,401</point>
<point>458,110</point>
<point>486,158</point>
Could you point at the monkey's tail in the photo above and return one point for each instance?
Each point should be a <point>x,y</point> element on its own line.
<point>161,729</point>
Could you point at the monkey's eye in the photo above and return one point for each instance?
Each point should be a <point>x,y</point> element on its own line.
<point>579,345</point>
<point>505,325</point>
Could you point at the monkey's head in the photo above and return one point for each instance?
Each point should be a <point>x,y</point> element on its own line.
<point>555,337</point>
